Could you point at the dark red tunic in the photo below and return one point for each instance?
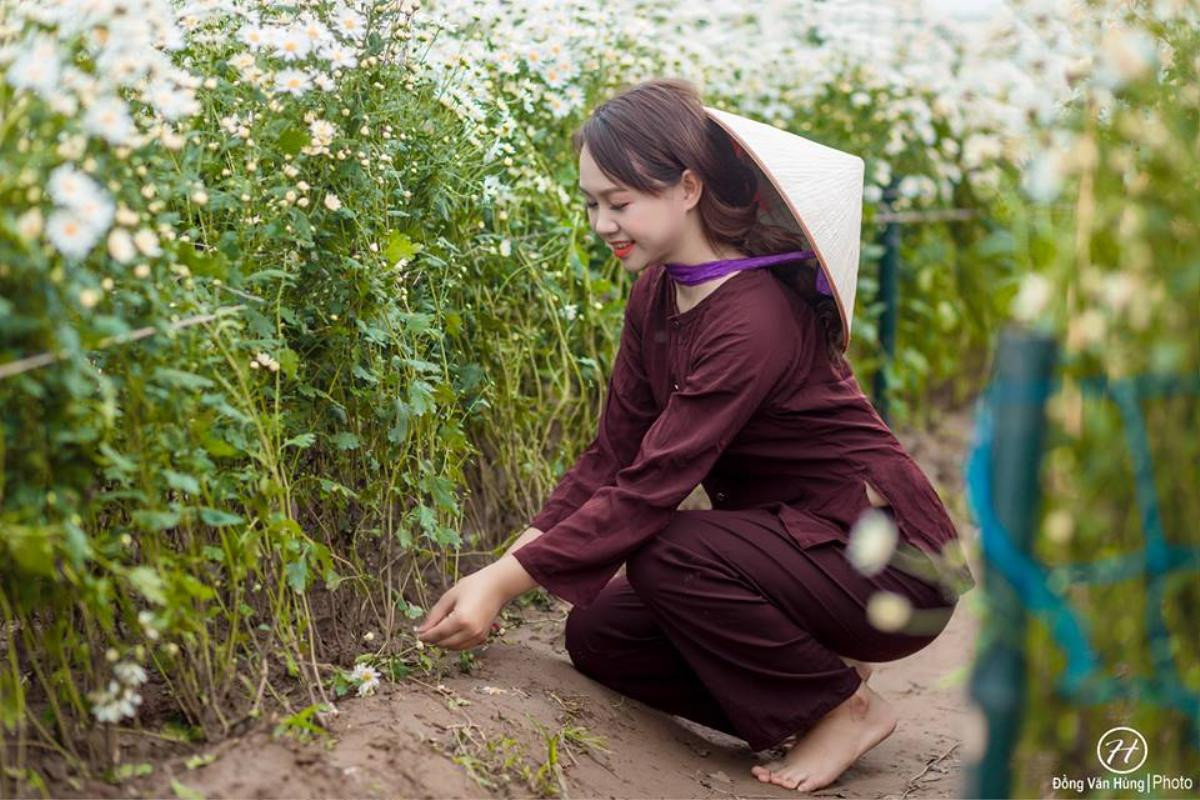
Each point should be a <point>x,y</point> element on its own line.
<point>738,394</point>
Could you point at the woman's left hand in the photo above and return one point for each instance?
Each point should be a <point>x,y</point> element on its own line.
<point>462,617</point>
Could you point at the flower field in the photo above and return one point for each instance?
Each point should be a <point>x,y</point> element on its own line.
<point>299,305</point>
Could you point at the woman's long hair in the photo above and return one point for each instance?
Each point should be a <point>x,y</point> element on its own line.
<point>647,135</point>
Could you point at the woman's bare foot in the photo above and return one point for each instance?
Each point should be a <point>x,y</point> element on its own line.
<point>833,744</point>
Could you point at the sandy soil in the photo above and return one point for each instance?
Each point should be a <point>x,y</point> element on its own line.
<point>485,734</point>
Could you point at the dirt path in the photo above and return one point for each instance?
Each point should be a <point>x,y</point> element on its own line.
<point>419,740</point>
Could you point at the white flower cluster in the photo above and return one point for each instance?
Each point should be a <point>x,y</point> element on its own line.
<point>312,46</point>
<point>120,698</point>
<point>84,211</point>
<point>264,360</point>
<point>366,677</point>
<point>44,44</point>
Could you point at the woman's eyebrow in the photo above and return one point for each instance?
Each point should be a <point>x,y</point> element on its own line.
<point>605,192</point>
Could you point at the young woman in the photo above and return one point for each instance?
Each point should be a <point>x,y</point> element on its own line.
<point>749,617</point>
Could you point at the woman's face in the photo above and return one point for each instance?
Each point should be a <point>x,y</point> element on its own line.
<point>656,226</point>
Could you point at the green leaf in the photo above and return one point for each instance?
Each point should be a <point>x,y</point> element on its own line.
<point>297,575</point>
<point>182,379</point>
<point>345,440</point>
<point>400,246</point>
<point>149,583</point>
<point>302,441</point>
<point>156,520</point>
<point>185,792</point>
<point>219,519</point>
<point>293,140</point>
<point>182,482</point>
<point>289,361</point>
<point>31,547</point>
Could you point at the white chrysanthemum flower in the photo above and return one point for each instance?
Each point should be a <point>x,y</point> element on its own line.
<point>1042,179</point>
<point>171,100</point>
<point>1126,55</point>
<point>366,677</point>
<point>129,673</point>
<point>37,65</point>
<point>255,37</point>
<point>292,45</point>
<point>332,202</point>
<point>872,542</point>
<point>324,82</point>
<point>29,224</point>
<point>1032,297</point>
<point>89,297</point>
<point>70,187</point>
<point>314,30</point>
<point>112,703</point>
<point>120,246</point>
<point>71,234</point>
<point>888,611</point>
<point>147,243</point>
<point>109,117</point>
<point>339,56</point>
<point>349,23</point>
<point>292,81</point>
<point>322,132</point>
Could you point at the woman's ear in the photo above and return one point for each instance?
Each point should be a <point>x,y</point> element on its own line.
<point>692,188</point>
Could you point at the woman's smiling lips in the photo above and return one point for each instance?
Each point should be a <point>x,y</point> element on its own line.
<point>622,249</point>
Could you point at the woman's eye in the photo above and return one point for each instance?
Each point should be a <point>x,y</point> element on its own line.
<point>615,208</point>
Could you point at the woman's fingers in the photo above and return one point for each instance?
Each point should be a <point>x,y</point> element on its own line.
<point>440,610</point>
<point>462,640</point>
<point>439,633</point>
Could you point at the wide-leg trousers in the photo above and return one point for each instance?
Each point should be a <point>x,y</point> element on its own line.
<point>726,619</point>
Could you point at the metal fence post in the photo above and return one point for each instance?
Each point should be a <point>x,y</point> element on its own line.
<point>889,267</point>
<point>1020,384</point>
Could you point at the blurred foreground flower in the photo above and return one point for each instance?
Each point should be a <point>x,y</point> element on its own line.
<point>888,611</point>
<point>872,542</point>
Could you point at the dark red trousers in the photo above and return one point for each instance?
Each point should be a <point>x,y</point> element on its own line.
<point>725,619</point>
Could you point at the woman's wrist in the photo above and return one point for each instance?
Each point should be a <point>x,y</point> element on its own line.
<point>511,579</point>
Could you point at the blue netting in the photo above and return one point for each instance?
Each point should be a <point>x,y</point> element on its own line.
<point>1084,679</point>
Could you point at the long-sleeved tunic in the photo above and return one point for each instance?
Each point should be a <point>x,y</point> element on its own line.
<point>736,393</point>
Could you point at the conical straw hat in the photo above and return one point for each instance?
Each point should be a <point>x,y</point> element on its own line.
<point>812,189</point>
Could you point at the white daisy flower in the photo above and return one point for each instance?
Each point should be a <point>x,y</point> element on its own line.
<point>29,224</point>
<point>255,37</point>
<point>316,32</point>
<point>349,23</point>
<point>109,117</point>
<point>332,202</point>
<point>120,246</point>
<point>129,673</point>
<point>70,233</point>
<point>366,677</point>
<point>292,81</point>
<point>292,45</point>
<point>171,100</point>
<point>147,243</point>
<point>69,186</point>
<point>36,66</point>
<point>339,56</point>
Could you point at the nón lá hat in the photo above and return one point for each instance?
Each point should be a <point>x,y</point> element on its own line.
<point>811,189</point>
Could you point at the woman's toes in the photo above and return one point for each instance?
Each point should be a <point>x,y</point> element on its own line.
<point>787,778</point>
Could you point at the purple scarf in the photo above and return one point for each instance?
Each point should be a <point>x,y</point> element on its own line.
<point>691,274</point>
